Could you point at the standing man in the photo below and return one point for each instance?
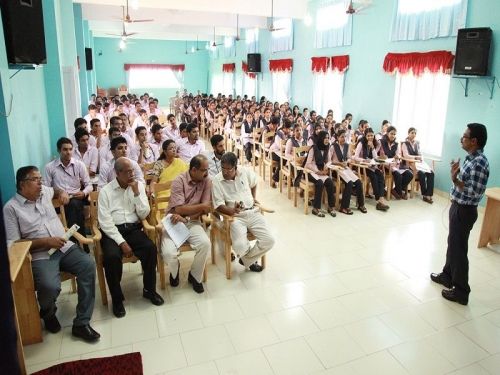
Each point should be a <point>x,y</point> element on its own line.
<point>469,184</point>
<point>123,203</point>
<point>30,215</point>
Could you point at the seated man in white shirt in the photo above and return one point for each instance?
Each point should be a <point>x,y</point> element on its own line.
<point>71,176</point>
<point>78,123</point>
<point>30,216</point>
<point>123,203</point>
<point>233,193</point>
<point>217,142</point>
<point>157,136</point>
<point>89,155</point>
<point>117,122</point>
<point>94,114</point>
<point>107,170</point>
<point>171,130</point>
<point>105,153</point>
<point>96,134</point>
<point>192,146</point>
<point>141,120</point>
<point>143,152</point>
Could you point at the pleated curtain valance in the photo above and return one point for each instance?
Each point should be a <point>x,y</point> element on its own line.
<point>419,62</point>
<point>174,67</point>
<point>283,65</point>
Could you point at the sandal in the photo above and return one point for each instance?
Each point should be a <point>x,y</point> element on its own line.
<point>331,212</point>
<point>362,209</point>
<point>317,212</point>
<point>346,211</point>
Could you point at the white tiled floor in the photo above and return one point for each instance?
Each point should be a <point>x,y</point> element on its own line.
<point>346,295</point>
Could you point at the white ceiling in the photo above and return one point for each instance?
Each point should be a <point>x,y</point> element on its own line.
<point>186,19</point>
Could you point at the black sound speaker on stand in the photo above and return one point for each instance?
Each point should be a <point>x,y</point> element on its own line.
<point>253,61</point>
<point>23,31</point>
<point>473,51</point>
<point>88,58</point>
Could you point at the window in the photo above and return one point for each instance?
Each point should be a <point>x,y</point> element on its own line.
<point>281,86</point>
<point>228,83</point>
<point>282,38</point>
<point>217,83</point>
<point>421,102</point>
<point>427,19</point>
<point>252,40</point>
<point>229,47</point>
<point>328,88</point>
<point>155,78</point>
<point>249,85</point>
<point>333,25</point>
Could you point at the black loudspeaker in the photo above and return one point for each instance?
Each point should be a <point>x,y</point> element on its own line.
<point>88,58</point>
<point>23,30</point>
<point>253,61</point>
<point>473,51</point>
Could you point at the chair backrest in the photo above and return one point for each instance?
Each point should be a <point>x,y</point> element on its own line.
<point>268,138</point>
<point>162,119</point>
<point>93,198</point>
<point>256,134</point>
<point>59,208</point>
<point>158,188</point>
<point>300,154</point>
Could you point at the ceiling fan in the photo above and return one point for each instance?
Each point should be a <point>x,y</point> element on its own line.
<point>126,17</point>
<point>271,26</point>
<point>354,10</point>
<point>124,35</point>
<point>238,38</point>
<point>214,44</point>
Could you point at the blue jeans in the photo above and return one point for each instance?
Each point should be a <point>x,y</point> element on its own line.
<point>46,273</point>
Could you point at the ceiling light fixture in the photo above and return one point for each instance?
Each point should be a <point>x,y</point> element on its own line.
<point>122,44</point>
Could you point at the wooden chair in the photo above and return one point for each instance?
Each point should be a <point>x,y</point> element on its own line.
<point>82,241</point>
<point>238,144</point>
<point>122,90</point>
<point>158,214</point>
<point>334,169</point>
<point>267,156</point>
<point>221,230</point>
<point>162,119</point>
<point>304,184</point>
<point>256,146</point>
<point>93,199</point>
<point>285,171</point>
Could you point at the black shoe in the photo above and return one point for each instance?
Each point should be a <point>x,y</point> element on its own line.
<point>197,287</point>
<point>119,309</point>
<point>253,267</point>
<point>52,324</point>
<point>154,297</point>
<point>382,207</point>
<point>451,295</point>
<point>175,281</point>
<point>86,333</point>
<point>441,278</point>
<point>233,257</point>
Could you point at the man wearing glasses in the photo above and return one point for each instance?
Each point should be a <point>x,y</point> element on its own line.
<point>190,198</point>
<point>469,183</point>
<point>30,215</point>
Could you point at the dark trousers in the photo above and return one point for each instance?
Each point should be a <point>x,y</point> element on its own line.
<point>248,151</point>
<point>426,183</point>
<point>377,180</point>
<point>142,247</point>
<point>456,269</point>
<point>276,173</point>
<point>75,215</point>
<point>346,194</point>
<point>401,181</point>
<point>318,191</point>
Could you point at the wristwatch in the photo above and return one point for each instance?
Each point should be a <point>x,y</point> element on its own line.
<point>188,219</point>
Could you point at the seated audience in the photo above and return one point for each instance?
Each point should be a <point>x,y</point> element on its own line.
<point>281,135</point>
<point>122,205</point>
<point>30,215</point>
<point>89,155</point>
<point>192,145</point>
<point>143,152</point>
<point>93,114</point>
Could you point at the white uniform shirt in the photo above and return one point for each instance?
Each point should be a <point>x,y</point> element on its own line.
<point>237,190</point>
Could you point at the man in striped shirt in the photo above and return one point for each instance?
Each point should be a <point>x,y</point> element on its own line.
<point>469,184</point>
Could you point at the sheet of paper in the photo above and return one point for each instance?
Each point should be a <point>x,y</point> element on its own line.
<point>423,166</point>
<point>178,232</point>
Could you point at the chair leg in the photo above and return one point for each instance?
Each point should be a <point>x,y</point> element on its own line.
<point>263,261</point>
<point>306,201</point>
<point>205,274</point>
<point>212,243</point>
<point>73,285</point>
<point>227,254</point>
<point>294,196</point>
<point>102,283</point>
<point>161,271</point>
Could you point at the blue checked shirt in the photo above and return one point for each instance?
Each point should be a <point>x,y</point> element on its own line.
<point>474,173</point>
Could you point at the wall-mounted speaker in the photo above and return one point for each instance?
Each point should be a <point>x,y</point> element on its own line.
<point>23,31</point>
<point>88,58</point>
<point>473,51</point>
<point>253,61</point>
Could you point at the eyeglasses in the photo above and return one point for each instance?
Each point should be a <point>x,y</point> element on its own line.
<point>34,179</point>
<point>225,169</point>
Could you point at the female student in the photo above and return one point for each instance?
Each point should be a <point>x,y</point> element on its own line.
<point>366,152</point>
<point>411,150</point>
<point>401,173</point>
<point>339,155</point>
<point>317,160</point>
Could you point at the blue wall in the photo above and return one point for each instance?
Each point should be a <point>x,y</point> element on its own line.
<point>109,63</point>
<point>369,92</point>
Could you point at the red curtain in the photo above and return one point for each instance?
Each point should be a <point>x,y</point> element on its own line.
<point>229,68</point>
<point>178,67</point>
<point>320,64</point>
<point>283,65</point>
<point>244,67</point>
<point>340,63</point>
<point>418,62</point>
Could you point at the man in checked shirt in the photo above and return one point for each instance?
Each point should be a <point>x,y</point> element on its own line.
<point>469,184</point>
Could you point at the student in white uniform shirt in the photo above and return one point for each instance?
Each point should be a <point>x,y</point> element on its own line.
<point>89,155</point>
<point>107,170</point>
<point>94,114</point>
<point>171,131</point>
<point>192,146</point>
<point>105,153</point>
<point>143,152</point>
<point>141,120</point>
<point>79,123</point>
<point>233,193</point>
<point>96,135</point>
<point>214,157</point>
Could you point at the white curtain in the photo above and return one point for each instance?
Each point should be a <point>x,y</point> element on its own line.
<point>217,84</point>
<point>421,102</point>
<point>252,40</point>
<point>281,86</point>
<point>229,46</point>
<point>227,83</point>
<point>155,78</point>
<point>282,38</point>
<point>333,24</point>
<point>328,89</point>
<point>427,19</point>
<point>249,86</point>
